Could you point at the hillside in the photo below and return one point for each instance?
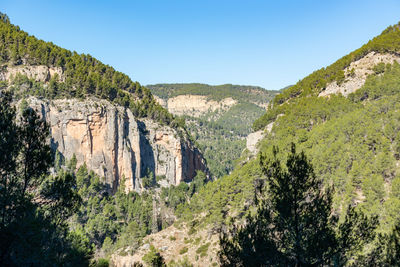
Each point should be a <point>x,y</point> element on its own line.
<point>218,117</point>
<point>345,117</point>
<point>72,75</point>
<point>98,170</point>
<point>381,48</point>
<point>109,145</point>
<point>352,141</point>
<point>88,128</point>
<point>253,94</point>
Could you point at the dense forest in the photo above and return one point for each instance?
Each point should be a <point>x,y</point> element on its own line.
<point>221,136</point>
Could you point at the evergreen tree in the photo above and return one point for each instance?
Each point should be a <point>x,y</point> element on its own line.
<point>353,234</point>
<point>33,206</point>
<point>292,227</point>
<point>386,251</point>
<point>153,258</point>
<point>4,18</point>
<point>294,224</point>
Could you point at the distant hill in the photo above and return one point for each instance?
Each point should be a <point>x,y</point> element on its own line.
<point>215,92</point>
<point>218,117</point>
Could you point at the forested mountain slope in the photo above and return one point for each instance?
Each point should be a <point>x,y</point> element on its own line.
<point>385,47</point>
<point>345,117</point>
<point>127,141</point>
<point>353,141</point>
<point>218,117</point>
<point>110,140</point>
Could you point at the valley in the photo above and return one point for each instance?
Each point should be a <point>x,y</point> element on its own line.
<point>218,117</point>
<point>99,170</point>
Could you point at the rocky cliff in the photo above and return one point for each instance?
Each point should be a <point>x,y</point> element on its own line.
<point>109,139</point>
<point>40,73</point>
<point>117,146</point>
<point>195,105</point>
<point>356,74</point>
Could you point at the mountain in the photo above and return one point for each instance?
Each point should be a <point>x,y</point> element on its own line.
<point>115,151</point>
<point>115,189</point>
<point>345,117</point>
<point>218,117</point>
<point>107,121</point>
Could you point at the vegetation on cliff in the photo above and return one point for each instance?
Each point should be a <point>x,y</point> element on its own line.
<point>243,93</point>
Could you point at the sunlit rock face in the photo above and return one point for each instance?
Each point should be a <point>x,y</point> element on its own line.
<point>117,146</point>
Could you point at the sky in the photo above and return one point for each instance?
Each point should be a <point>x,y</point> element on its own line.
<point>249,42</point>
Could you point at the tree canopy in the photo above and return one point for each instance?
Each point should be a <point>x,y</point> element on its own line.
<point>294,224</point>
<point>34,205</point>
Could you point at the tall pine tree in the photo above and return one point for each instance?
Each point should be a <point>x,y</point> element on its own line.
<point>294,224</point>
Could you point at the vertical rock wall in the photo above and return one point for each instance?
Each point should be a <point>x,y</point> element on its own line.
<point>112,143</point>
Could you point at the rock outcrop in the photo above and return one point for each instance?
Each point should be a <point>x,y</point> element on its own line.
<point>39,73</point>
<point>356,74</point>
<point>254,138</point>
<point>170,242</point>
<point>109,139</point>
<point>117,146</point>
<point>195,105</point>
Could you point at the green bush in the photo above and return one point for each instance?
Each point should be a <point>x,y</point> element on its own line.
<point>183,250</point>
<point>202,250</point>
<point>101,263</point>
<point>153,258</point>
<point>379,68</point>
<point>181,263</point>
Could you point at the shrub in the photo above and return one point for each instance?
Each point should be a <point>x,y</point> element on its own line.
<point>183,250</point>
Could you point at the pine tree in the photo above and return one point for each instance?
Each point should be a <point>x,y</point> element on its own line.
<point>34,207</point>
<point>153,258</point>
<point>294,224</point>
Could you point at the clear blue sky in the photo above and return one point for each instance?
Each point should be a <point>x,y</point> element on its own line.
<point>266,43</point>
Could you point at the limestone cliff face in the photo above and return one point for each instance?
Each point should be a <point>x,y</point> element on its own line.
<point>356,74</point>
<point>195,105</point>
<point>39,73</point>
<point>117,146</point>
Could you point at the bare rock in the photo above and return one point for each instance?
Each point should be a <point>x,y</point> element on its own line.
<point>253,139</point>
<point>361,69</point>
<point>197,105</point>
<point>40,73</point>
<point>116,145</point>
